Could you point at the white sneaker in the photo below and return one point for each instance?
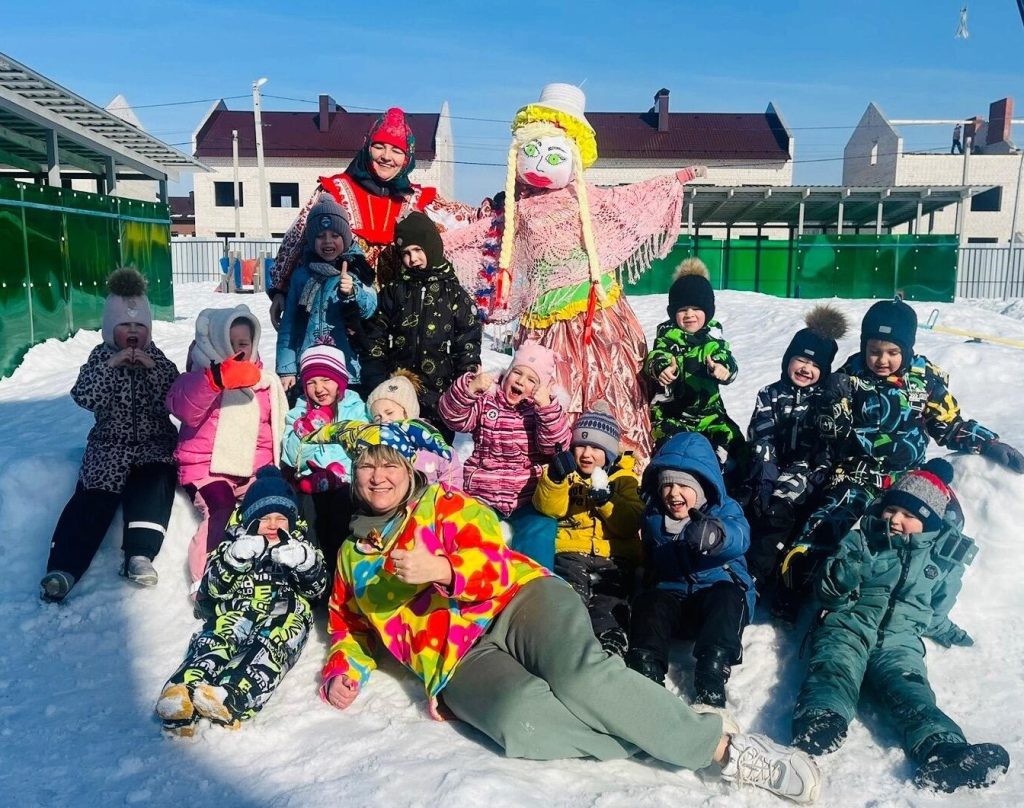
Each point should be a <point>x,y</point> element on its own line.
<point>140,571</point>
<point>754,760</point>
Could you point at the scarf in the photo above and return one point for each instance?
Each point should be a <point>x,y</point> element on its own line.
<point>238,427</point>
<point>398,186</point>
<point>319,272</point>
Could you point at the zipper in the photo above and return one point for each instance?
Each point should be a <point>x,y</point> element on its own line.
<point>135,408</point>
<point>903,554</point>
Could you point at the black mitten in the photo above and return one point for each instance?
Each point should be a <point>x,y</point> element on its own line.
<point>705,534</point>
<point>1004,455</point>
<point>561,466</point>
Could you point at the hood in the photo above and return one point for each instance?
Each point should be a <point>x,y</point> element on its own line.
<point>691,453</point>
<point>213,335</point>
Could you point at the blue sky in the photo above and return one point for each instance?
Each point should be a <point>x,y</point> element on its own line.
<point>820,62</point>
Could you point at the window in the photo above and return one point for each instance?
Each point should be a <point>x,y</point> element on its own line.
<point>874,154</point>
<point>224,194</point>
<point>982,240</point>
<point>229,234</point>
<point>988,201</point>
<point>284,194</point>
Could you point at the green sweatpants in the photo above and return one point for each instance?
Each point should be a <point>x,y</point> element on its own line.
<point>540,685</point>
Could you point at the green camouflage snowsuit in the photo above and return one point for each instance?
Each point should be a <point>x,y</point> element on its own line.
<point>881,594</point>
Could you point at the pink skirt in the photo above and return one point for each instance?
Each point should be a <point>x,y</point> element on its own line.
<point>608,369</point>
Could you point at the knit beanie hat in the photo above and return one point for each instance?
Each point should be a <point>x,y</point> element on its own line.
<point>891,321</point>
<point>269,493</point>
<point>400,389</point>
<point>327,214</point>
<point>598,428</point>
<point>126,303</point>
<point>924,492</point>
<point>418,230</point>
<point>391,128</point>
<point>680,477</point>
<point>326,361</point>
<point>817,342</point>
<point>213,335</point>
<point>536,357</point>
<point>691,287</point>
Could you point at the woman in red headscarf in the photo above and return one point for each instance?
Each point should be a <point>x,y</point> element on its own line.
<point>376,192</point>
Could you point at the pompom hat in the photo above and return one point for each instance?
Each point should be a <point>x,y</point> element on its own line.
<point>327,214</point>
<point>691,287</point>
<point>399,389</point>
<point>126,303</point>
<point>326,361</point>
<point>924,493</point>
<point>818,341</point>
<point>269,493</point>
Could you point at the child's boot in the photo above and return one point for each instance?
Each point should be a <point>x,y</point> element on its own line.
<point>949,766</point>
<point>175,703</point>
<point>139,570</point>
<point>710,675</point>
<point>613,640</point>
<point>819,732</point>
<point>647,663</point>
<point>211,701</point>
<point>55,586</point>
<point>754,760</point>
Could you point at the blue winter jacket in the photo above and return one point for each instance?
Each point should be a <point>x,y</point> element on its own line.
<point>297,454</point>
<point>671,562</point>
<point>300,328</point>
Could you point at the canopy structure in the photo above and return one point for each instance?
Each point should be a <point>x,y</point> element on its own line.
<point>824,207</point>
<point>46,129</point>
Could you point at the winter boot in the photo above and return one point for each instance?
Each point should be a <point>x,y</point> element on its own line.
<point>646,663</point>
<point>175,703</point>
<point>211,702</point>
<point>55,586</point>
<point>186,728</point>
<point>950,766</point>
<point>613,640</point>
<point>819,732</point>
<point>754,760</point>
<point>710,675</point>
<point>139,570</point>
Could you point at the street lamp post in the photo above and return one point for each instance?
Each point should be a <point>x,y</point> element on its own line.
<point>260,168</point>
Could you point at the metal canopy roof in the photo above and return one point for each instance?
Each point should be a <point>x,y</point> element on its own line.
<point>32,106</point>
<point>717,205</point>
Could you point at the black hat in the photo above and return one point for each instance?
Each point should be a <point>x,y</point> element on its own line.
<point>817,342</point>
<point>891,321</point>
<point>692,288</point>
<point>418,230</point>
<point>924,493</point>
<point>269,493</point>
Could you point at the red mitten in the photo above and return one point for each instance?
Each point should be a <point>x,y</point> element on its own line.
<point>313,420</point>
<point>233,374</point>
<point>322,479</point>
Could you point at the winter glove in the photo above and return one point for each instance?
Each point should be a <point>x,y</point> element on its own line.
<point>953,635</point>
<point>294,554</point>
<point>791,485</point>
<point>246,548</point>
<point>322,479</point>
<point>312,421</point>
<point>1004,455</point>
<point>561,466</point>
<point>705,534</point>
<point>845,572</point>
<point>600,490</point>
<point>232,374</point>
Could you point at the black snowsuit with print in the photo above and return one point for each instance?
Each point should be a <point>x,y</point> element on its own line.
<point>425,323</point>
<point>128,461</point>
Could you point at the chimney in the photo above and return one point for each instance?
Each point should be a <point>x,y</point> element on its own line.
<point>661,104</point>
<point>328,106</point>
<point>1000,116</point>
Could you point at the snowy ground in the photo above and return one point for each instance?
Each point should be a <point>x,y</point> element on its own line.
<point>78,681</point>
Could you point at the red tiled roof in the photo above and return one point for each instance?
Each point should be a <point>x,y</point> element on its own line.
<point>297,134</point>
<point>690,136</point>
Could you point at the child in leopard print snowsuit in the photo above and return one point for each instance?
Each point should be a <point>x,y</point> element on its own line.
<point>129,455</point>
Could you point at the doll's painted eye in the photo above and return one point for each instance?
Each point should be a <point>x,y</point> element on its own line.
<point>554,159</point>
<point>530,149</point>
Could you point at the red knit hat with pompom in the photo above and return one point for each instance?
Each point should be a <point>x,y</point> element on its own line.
<point>392,129</point>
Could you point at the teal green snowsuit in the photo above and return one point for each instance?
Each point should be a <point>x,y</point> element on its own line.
<point>881,594</point>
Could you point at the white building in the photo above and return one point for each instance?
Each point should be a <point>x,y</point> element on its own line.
<point>875,156</point>
<point>299,148</point>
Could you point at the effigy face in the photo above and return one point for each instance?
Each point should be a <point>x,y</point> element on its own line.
<point>545,162</point>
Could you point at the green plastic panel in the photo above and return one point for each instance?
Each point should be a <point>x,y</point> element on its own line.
<point>58,246</point>
<point>849,266</point>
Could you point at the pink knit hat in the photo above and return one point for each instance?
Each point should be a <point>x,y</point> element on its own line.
<point>326,361</point>
<point>538,358</point>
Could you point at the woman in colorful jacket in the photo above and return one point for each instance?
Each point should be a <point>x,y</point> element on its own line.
<point>507,647</point>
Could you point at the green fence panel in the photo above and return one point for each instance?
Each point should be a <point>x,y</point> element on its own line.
<point>58,246</point>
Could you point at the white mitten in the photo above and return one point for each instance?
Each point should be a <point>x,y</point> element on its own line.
<point>246,548</point>
<point>293,554</point>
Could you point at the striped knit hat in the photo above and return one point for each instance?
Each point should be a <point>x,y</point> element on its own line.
<point>269,493</point>
<point>326,361</point>
<point>598,428</point>
<point>924,493</point>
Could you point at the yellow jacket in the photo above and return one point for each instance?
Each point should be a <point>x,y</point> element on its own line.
<point>612,529</point>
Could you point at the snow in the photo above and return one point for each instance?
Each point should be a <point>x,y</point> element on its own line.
<point>80,679</point>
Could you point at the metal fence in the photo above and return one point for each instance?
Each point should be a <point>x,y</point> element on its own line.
<point>993,271</point>
<point>198,259</point>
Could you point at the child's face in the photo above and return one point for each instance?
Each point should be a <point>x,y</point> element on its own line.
<point>520,383</point>
<point>241,341</point>
<point>321,391</point>
<point>677,499</point>
<point>691,319</point>
<point>803,372</point>
<point>588,458</point>
<point>384,411</point>
<point>883,358</point>
<point>130,335</point>
<point>270,524</point>
<point>329,245</point>
<point>413,257</point>
<point>902,521</point>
